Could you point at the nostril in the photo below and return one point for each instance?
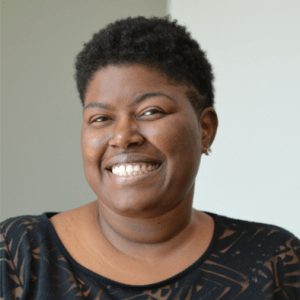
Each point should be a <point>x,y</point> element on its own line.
<point>133,144</point>
<point>126,138</point>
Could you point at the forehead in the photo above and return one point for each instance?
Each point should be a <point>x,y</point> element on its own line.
<point>129,81</point>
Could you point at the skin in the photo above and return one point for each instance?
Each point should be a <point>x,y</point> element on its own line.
<point>140,230</point>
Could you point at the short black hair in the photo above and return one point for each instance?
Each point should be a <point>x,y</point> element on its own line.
<point>157,43</point>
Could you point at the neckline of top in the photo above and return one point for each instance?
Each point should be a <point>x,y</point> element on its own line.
<point>99,278</point>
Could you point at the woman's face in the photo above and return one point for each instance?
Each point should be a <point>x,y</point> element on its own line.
<point>141,141</point>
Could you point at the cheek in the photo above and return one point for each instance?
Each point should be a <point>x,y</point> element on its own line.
<point>176,138</point>
<point>92,147</point>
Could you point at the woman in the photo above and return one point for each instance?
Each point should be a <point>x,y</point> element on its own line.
<point>146,88</point>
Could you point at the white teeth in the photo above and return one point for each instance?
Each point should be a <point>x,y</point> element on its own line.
<point>133,169</point>
<point>129,168</point>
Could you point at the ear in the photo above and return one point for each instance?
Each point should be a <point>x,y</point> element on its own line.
<point>208,124</point>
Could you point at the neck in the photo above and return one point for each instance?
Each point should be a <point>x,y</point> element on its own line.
<point>148,237</point>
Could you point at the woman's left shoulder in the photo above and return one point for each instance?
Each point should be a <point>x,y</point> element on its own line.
<point>253,229</point>
<point>267,257</point>
<point>258,238</point>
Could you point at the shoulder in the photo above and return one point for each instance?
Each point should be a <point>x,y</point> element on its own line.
<point>268,234</point>
<point>252,229</point>
<point>17,228</point>
<point>269,244</point>
<point>20,221</point>
<point>267,255</point>
<point>22,234</point>
<point>23,242</point>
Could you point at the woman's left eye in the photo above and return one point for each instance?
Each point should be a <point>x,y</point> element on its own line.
<point>151,112</point>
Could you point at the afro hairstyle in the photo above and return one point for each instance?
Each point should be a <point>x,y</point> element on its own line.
<point>157,43</point>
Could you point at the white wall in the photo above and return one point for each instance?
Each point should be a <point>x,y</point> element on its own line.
<point>254,47</point>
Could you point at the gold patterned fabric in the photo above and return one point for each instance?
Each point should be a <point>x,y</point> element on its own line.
<point>245,260</point>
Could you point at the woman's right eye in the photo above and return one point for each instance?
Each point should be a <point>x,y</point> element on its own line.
<point>100,119</point>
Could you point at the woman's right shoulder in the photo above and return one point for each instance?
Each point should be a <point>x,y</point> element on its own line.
<point>18,234</point>
<point>23,242</point>
<point>13,227</point>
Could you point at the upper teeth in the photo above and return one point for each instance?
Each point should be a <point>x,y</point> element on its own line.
<point>133,169</point>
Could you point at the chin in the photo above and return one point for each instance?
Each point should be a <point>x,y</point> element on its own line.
<point>134,206</point>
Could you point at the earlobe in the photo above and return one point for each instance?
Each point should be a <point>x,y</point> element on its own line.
<point>208,125</point>
<point>206,151</point>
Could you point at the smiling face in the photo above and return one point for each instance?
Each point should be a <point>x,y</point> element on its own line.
<point>141,141</point>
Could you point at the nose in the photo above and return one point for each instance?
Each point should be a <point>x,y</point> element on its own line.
<point>125,134</point>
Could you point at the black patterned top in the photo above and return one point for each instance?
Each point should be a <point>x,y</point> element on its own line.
<point>245,260</point>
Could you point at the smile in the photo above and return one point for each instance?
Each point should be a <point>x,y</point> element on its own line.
<point>135,169</point>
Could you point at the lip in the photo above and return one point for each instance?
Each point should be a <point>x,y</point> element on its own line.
<point>129,159</point>
<point>130,180</point>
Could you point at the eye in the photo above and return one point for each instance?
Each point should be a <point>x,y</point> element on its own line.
<point>100,119</point>
<point>152,112</point>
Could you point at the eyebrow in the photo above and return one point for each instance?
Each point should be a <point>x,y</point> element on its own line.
<point>135,101</point>
<point>98,104</point>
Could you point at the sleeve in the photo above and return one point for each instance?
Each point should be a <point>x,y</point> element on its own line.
<point>12,268</point>
<point>285,266</point>
<point>17,255</point>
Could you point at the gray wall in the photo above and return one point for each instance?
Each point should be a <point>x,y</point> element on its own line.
<point>41,167</point>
